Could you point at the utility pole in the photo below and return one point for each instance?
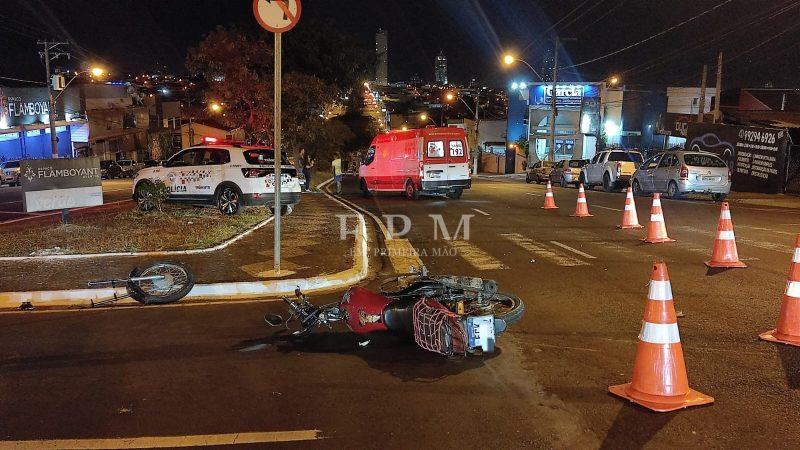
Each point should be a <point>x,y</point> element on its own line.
<point>717,114</point>
<point>48,56</point>
<point>477,121</point>
<point>553,111</point>
<point>702,94</point>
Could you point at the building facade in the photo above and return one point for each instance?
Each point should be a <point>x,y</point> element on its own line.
<point>440,70</point>
<point>382,57</point>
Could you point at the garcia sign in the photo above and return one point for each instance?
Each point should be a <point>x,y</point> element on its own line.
<point>49,184</point>
<point>755,155</point>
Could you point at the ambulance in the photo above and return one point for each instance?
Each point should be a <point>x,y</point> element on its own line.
<point>417,162</point>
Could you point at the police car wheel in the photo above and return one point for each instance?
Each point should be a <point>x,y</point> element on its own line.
<point>229,201</point>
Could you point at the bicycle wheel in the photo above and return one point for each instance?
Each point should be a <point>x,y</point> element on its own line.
<point>175,283</point>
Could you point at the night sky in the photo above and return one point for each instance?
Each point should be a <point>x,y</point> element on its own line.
<point>137,35</point>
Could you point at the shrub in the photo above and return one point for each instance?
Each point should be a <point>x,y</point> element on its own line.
<point>152,196</point>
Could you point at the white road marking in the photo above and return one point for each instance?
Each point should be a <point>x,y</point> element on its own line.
<point>10,203</point>
<point>573,250</point>
<point>542,251</point>
<point>606,207</point>
<point>482,212</point>
<point>766,245</point>
<point>200,440</point>
<point>533,193</point>
<point>476,257</point>
<point>747,227</point>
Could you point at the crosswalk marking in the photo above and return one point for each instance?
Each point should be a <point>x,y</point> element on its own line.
<point>573,250</point>
<point>542,251</point>
<point>476,257</point>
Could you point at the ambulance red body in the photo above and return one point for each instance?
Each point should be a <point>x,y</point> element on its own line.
<point>424,161</point>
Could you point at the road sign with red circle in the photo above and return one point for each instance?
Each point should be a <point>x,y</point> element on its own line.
<point>277,16</point>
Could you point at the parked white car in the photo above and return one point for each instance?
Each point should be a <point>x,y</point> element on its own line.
<point>229,177</point>
<point>611,169</point>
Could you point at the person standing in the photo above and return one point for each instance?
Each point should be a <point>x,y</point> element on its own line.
<point>336,166</point>
<point>300,165</point>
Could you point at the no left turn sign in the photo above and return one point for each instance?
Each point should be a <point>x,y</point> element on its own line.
<point>277,16</point>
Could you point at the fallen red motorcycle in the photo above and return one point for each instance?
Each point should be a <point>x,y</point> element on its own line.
<point>450,315</point>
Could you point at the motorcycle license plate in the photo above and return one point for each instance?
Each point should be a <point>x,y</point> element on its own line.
<point>480,332</point>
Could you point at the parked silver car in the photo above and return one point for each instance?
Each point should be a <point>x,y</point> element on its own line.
<point>9,173</point>
<point>567,171</point>
<point>683,172</point>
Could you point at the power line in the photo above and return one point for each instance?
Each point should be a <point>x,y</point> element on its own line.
<point>543,33</point>
<point>755,19</point>
<point>660,33</point>
<point>21,80</point>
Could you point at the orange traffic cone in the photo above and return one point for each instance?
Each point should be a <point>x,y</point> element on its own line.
<point>549,201</point>
<point>656,229</point>
<point>581,208</point>
<point>788,331</point>
<point>629,217</point>
<point>659,373</point>
<point>725,253</point>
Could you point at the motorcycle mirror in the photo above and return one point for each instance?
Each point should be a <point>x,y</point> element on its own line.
<point>273,320</point>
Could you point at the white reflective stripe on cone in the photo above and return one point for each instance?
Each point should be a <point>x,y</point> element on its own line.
<point>796,255</point>
<point>628,207</point>
<point>656,217</point>
<point>660,290</point>
<point>549,194</point>
<point>725,214</point>
<point>660,333</point>
<point>793,288</point>
<point>581,200</point>
<point>725,235</point>
<point>657,202</point>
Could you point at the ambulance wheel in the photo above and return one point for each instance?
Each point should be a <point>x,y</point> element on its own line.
<point>364,189</point>
<point>456,194</point>
<point>411,191</point>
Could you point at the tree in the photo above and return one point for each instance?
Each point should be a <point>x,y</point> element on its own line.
<point>238,70</point>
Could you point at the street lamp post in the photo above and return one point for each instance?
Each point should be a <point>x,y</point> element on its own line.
<point>96,71</point>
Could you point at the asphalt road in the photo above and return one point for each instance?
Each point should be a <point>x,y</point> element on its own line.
<point>189,370</point>
<point>11,198</point>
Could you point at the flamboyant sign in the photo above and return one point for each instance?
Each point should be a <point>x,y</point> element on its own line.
<point>51,184</point>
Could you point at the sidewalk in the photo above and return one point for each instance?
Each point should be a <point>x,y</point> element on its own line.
<point>311,246</point>
<point>774,200</point>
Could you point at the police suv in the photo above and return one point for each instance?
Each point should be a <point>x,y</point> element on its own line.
<point>229,176</point>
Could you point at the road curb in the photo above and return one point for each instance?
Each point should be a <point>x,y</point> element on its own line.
<point>76,298</point>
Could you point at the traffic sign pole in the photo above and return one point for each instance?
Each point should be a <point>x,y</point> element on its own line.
<point>278,153</point>
<point>277,16</point>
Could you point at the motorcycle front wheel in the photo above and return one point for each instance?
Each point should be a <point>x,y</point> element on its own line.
<point>174,283</point>
<point>502,306</point>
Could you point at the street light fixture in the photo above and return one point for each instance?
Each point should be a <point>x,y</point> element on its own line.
<point>509,59</point>
<point>215,107</point>
<point>613,80</point>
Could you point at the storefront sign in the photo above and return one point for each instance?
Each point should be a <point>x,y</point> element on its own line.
<point>24,106</point>
<point>50,184</point>
<point>755,155</point>
<point>674,124</point>
<point>566,94</point>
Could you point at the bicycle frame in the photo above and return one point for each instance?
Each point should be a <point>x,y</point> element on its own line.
<point>115,283</point>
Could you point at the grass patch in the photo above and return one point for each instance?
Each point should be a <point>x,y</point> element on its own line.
<point>176,228</point>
